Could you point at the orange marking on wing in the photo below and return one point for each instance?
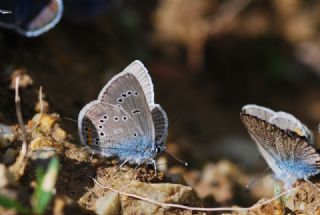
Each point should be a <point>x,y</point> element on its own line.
<point>299,131</point>
<point>89,136</point>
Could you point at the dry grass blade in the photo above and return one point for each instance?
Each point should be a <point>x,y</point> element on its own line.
<point>17,169</point>
<point>163,204</point>
<point>19,117</point>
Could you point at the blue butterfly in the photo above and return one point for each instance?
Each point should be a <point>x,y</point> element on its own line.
<point>30,18</point>
<point>124,121</point>
<point>284,142</point>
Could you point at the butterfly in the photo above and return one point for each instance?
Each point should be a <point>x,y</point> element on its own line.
<point>124,121</point>
<point>285,143</point>
<point>30,18</point>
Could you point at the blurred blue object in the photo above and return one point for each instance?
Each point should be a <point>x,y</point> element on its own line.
<point>30,18</point>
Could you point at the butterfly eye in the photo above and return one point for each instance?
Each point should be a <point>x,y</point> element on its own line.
<point>135,134</point>
<point>136,93</point>
<point>129,92</point>
<point>100,126</point>
<point>101,120</point>
<point>105,117</point>
<point>158,149</point>
<point>124,118</point>
<point>124,95</point>
<point>102,134</point>
<point>120,100</point>
<point>116,118</point>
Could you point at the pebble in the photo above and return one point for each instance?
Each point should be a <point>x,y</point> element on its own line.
<point>6,136</point>
<point>109,204</point>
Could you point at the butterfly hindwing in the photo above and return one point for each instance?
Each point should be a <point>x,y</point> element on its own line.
<point>262,133</point>
<point>160,121</point>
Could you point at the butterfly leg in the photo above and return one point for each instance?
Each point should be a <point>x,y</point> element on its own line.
<point>137,166</point>
<point>120,167</point>
<point>154,165</point>
<point>92,153</point>
<point>123,163</point>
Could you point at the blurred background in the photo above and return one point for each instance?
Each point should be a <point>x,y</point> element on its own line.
<point>206,58</point>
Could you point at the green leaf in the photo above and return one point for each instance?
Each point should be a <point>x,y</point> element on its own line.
<point>13,204</point>
<point>45,186</point>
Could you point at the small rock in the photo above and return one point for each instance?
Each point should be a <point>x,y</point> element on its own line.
<point>58,134</point>
<point>6,136</point>
<point>161,192</point>
<point>10,156</point>
<point>44,153</point>
<point>162,164</point>
<point>219,180</point>
<point>177,178</point>
<point>109,204</point>
<point>42,156</point>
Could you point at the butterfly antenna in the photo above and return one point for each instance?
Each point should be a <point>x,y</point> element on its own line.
<point>178,159</point>
<point>177,116</point>
<point>255,179</point>
<point>67,118</point>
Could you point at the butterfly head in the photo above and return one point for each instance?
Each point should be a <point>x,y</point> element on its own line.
<point>159,149</point>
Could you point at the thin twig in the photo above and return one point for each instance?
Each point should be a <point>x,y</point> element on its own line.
<point>40,98</point>
<point>162,204</point>
<point>19,117</point>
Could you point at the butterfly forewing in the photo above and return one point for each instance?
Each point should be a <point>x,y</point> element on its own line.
<point>261,132</point>
<point>286,152</point>
<point>127,95</point>
<point>141,74</point>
